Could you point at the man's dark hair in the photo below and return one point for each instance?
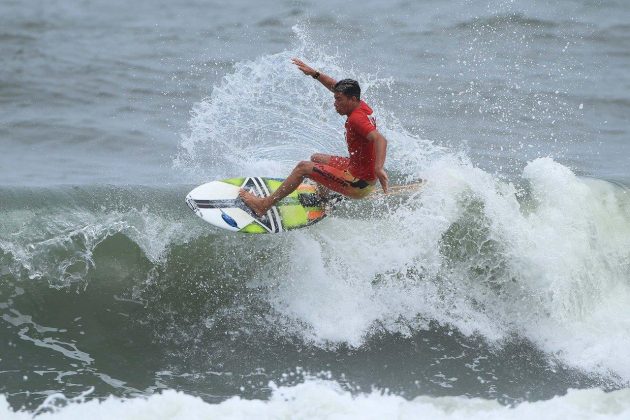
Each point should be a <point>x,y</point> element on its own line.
<point>348,87</point>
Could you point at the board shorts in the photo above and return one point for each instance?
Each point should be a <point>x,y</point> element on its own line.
<point>336,176</point>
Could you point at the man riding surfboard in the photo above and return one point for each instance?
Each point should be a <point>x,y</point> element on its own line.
<point>354,176</point>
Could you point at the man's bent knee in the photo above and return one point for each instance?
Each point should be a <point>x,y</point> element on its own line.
<point>320,158</point>
<point>305,167</point>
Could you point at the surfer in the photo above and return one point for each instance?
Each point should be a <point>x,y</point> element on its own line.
<point>354,176</point>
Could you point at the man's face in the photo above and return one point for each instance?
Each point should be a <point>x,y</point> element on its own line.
<point>344,104</point>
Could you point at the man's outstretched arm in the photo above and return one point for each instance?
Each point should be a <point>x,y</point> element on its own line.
<point>324,79</point>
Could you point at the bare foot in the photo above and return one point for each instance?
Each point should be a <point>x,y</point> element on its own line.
<point>257,204</point>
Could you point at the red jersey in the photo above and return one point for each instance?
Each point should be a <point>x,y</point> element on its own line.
<point>359,124</point>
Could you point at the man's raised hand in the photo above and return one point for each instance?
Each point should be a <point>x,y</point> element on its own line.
<point>304,68</point>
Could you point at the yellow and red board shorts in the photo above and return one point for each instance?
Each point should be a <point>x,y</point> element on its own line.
<point>335,176</point>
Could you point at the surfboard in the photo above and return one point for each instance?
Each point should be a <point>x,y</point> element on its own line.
<point>218,203</point>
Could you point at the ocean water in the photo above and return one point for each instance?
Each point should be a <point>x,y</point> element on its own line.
<point>502,290</point>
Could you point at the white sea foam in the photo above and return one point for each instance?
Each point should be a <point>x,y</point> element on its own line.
<point>318,399</point>
<point>553,268</point>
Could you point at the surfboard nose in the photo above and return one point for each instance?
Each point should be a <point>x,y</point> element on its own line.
<point>191,203</point>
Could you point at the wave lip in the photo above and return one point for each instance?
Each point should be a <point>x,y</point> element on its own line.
<point>52,233</point>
